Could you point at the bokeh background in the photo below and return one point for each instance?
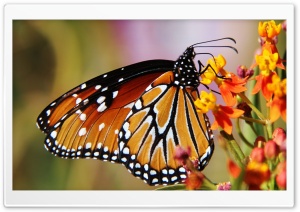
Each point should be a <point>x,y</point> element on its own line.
<point>52,56</point>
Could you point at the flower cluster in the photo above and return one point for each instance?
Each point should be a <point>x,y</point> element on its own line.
<point>273,88</point>
<point>265,166</point>
<point>229,85</point>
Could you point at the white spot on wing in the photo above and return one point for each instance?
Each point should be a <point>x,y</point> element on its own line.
<point>99,145</point>
<point>53,134</point>
<point>130,105</point>
<point>83,117</point>
<point>102,107</point>
<point>78,100</point>
<point>174,178</point>
<point>101,99</point>
<point>82,131</point>
<point>145,176</point>
<point>126,150</point>
<point>101,126</point>
<point>48,112</point>
<point>104,89</point>
<point>56,125</point>
<point>126,129</point>
<point>64,117</point>
<point>181,169</point>
<point>97,87</point>
<point>146,167</point>
<point>83,86</point>
<point>154,180</point>
<point>152,172</point>
<point>115,93</point>
<point>138,104</point>
<point>88,145</point>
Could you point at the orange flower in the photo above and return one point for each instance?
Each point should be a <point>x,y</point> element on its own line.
<point>222,114</point>
<point>194,180</point>
<point>261,84</point>
<point>268,29</point>
<point>256,174</point>
<point>234,170</point>
<point>278,104</point>
<point>222,117</point>
<point>230,86</point>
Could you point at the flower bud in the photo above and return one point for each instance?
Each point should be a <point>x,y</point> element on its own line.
<point>279,136</point>
<point>243,72</point>
<point>281,175</point>
<point>283,24</point>
<point>257,155</point>
<point>271,150</point>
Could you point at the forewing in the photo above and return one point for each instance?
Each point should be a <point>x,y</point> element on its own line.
<point>85,122</point>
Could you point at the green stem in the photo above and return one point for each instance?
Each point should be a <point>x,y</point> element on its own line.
<point>269,127</point>
<point>242,135</point>
<point>208,184</point>
<point>234,148</point>
<point>262,122</point>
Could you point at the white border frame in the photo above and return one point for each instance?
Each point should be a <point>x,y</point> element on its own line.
<point>149,198</point>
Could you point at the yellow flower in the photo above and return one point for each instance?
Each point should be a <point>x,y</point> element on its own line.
<point>268,29</point>
<point>266,62</point>
<point>277,86</point>
<point>206,102</point>
<point>215,65</point>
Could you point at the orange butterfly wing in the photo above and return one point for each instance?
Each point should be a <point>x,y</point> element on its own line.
<point>85,122</point>
<point>162,118</point>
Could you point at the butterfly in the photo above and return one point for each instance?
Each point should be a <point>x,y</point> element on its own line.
<point>136,116</point>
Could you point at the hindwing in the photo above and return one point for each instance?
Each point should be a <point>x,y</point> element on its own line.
<point>162,118</point>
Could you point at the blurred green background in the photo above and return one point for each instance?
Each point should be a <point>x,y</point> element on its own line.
<point>52,56</point>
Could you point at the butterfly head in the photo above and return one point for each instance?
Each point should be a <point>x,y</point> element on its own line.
<point>185,70</point>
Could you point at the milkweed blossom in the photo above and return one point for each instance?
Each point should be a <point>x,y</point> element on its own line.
<point>278,103</point>
<point>229,84</point>
<point>222,114</point>
<point>269,59</point>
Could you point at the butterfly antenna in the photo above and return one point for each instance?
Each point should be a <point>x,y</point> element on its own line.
<point>231,47</point>
<point>226,38</point>
<point>198,45</point>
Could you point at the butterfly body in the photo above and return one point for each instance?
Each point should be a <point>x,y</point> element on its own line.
<point>135,116</point>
